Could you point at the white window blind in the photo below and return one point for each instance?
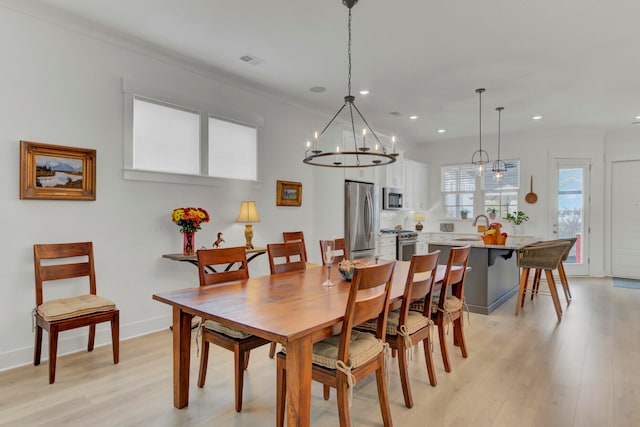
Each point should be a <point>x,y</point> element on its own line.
<point>232,149</point>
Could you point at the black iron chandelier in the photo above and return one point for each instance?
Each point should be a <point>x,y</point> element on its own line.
<point>480,157</point>
<point>362,156</point>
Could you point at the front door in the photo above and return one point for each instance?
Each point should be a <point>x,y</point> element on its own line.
<point>570,210</point>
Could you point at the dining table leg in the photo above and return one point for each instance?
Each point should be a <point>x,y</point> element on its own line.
<point>298,368</point>
<point>181,357</point>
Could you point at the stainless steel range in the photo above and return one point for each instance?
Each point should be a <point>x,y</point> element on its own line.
<point>405,243</point>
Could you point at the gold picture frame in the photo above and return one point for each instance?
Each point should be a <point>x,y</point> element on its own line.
<point>55,172</point>
<point>289,193</point>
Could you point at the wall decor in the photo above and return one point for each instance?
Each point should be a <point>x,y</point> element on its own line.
<point>55,172</point>
<point>289,193</point>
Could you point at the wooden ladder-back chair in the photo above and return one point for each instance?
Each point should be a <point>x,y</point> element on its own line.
<point>341,360</point>
<point>406,328</point>
<point>239,342</point>
<point>285,258</point>
<point>340,251</point>
<point>295,236</point>
<point>450,308</point>
<point>63,314</point>
<point>540,256</point>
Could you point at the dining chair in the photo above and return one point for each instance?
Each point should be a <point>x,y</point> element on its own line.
<point>339,249</point>
<point>406,328</point>
<point>69,261</point>
<point>343,359</point>
<point>295,236</point>
<point>232,339</point>
<point>545,256</point>
<point>285,258</point>
<point>448,307</point>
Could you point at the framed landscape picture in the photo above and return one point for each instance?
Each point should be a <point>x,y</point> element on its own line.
<point>289,193</point>
<point>54,172</point>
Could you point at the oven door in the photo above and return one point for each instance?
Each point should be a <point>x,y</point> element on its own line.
<point>405,249</point>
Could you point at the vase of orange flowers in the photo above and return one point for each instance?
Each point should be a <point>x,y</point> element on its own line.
<point>189,220</point>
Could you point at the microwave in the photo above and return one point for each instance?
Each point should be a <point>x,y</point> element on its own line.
<point>391,198</point>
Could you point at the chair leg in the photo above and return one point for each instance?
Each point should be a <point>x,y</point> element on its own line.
<point>281,391</point>
<point>403,367</point>
<point>383,397</point>
<point>204,359</point>
<point>524,278</point>
<point>53,352</point>
<point>326,392</point>
<point>394,352</point>
<point>554,293</point>
<point>428,355</point>
<point>443,346</point>
<point>565,283</point>
<point>343,400</point>
<point>536,283</point>
<point>37,351</point>
<point>115,337</point>
<point>246,359</point>
<point>458,333</point>
<point>92,337</point>
<point>272,350</point>
<point>239,377</point>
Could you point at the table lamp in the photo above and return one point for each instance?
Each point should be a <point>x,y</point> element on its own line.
<point>418,216</point>
<point>248,214</point>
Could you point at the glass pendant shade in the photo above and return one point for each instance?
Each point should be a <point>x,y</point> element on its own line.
<point>499,166</point>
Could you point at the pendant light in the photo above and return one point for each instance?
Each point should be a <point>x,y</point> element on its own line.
<point>480,157</point>
<point>361,156</point>
<point>499,166</point>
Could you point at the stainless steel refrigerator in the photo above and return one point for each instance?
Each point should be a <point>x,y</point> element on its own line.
<point>361,218</point>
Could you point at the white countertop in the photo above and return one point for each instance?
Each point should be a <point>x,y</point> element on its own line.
<point>515,242</point>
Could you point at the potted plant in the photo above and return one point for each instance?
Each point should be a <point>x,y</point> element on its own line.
<point>492,213</point>
<point>517,218</point>
<point>464,213</point>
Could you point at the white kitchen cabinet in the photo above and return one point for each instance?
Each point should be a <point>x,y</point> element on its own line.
<point>393,174</point>
<point>422,247</point>
<point>415,185</point>
<point>387,247</point>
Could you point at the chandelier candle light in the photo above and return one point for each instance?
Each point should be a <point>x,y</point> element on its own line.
<point>480,157</point>
<point>189,220</point>
<point>248,214</point>
<point>362,156</point>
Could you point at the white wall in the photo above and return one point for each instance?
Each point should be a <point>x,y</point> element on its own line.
<point>535,150</point>
<point>60,87</point>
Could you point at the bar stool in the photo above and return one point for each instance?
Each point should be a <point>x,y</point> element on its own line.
<point>561,272</point>
<point>545,256</point>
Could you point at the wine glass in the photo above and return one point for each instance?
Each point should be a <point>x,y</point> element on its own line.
<point>328,247</point>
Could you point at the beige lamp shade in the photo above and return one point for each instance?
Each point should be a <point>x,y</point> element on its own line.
<point>248,212</point>
<point>418,217</point>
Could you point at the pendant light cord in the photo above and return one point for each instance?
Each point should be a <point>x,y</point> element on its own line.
<point>480,121</point>
<point>499,115</point>
<point>349,57</point>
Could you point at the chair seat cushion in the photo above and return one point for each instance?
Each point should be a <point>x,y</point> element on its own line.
<point>363,347</point>
<point>67,308</point>
<point>451,304</point>
<point>218,327</point>
<point>417,305</point>
<point>415,322</point>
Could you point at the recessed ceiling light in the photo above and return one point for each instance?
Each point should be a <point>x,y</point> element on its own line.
<point>442,130</point>
<point>318,89</point>
<point>413,117</point>
<point>364,92</point>
<point>536,117</point>
<point>637,117</point>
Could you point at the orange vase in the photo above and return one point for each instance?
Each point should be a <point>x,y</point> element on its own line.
<point>188,243</point>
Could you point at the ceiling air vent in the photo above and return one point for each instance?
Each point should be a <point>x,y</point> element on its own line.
<point>251,59</point>
<point>395,114</point>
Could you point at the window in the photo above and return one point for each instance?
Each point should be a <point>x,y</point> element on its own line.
<point>175,138</point>
<point>463,189</point>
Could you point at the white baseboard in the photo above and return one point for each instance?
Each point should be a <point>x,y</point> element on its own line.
<point>75,343</point>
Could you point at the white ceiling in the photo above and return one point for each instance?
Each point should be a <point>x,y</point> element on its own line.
<point>575,62</point>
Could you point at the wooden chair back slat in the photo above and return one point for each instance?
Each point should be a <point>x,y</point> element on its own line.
<point>419,284</point>
<point>222,257</point>
<point>455,272</point>
<point>287,251</point>
<point>295,236</point>
<point>340,251</point>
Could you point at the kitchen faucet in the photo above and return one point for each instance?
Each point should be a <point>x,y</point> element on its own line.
<point>475,220</point>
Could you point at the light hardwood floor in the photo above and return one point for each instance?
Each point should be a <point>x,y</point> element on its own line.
<point>522,371</point>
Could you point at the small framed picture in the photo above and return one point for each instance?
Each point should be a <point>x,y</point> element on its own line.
<point>289,193</point>
<point>54,172</point>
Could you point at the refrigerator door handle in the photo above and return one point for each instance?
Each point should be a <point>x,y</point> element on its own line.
<point>368,215</point>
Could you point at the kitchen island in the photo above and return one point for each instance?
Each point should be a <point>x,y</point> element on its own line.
<point>494,275</point>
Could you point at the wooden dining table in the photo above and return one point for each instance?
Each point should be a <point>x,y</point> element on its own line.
<point>291,308</point>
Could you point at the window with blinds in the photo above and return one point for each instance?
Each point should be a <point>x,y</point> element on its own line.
<point>464,190</point>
